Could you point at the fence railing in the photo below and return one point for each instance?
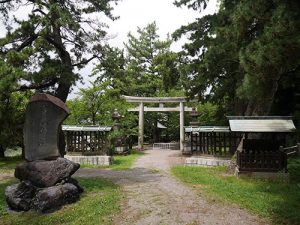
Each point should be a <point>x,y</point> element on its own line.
<point>291,151</point>
<point>215,143</point>
<point>165,146</point>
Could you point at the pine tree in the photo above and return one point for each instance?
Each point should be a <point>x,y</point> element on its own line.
<point>55,39</point>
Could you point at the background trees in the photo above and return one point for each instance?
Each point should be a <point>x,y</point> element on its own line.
<point>245,56</point>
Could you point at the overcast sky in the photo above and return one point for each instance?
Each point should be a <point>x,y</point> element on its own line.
<point>139,13</point>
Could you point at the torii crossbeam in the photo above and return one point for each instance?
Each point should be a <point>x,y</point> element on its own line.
<point>141,109</point>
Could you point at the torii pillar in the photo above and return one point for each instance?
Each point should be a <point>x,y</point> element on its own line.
<point>181,124</point>
<point>141,126</point>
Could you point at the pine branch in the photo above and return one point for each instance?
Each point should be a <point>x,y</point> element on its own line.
<point>38,86</point>
<point>84,62</point>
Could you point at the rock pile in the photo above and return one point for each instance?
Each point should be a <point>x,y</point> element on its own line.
<point>45,185</point>
<point>46,182</point>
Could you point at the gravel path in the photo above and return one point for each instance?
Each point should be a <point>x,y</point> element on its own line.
<point>154,196</point>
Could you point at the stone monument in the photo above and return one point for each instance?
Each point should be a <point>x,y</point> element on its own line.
<point>45,176</point>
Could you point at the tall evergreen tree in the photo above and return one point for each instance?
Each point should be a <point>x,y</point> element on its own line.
<point>241,55</point>
<point>150,60</point>
<point>56,39</point>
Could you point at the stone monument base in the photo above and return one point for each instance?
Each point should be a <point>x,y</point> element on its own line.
<point>45,185</point>
<point>91,160</point>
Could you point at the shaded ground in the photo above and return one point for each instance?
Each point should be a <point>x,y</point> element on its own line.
<point>154,196</point>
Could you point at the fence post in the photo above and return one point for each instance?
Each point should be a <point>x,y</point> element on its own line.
<point>298,149</point>
<point>281,148</point>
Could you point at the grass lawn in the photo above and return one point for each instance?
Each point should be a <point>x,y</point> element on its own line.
<point>121,162</point>
<point>8,165</point>
<point>98,205</point>
<point>278,201</point>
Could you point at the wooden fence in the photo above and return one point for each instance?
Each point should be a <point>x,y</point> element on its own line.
<point>87,142</point>
<point>220,144</point>
<point>261,156</point>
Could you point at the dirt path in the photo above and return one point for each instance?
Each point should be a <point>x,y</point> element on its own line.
<point>154,196</point>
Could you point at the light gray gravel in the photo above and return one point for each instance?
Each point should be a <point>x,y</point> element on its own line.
<point>154,196</point>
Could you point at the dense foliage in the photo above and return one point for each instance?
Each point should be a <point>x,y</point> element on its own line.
<point>245,57</point>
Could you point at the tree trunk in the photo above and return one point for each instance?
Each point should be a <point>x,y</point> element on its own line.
<point>67,77</point>
<point>262,106</point>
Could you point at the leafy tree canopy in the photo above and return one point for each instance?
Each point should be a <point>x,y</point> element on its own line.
<point>55,40</point>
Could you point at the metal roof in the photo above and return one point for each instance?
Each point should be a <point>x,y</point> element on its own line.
<point>86,128</point>
<point>261,124</point>
<point>207,129</point>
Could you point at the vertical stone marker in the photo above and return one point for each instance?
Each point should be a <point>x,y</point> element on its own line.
<point>44,115</point>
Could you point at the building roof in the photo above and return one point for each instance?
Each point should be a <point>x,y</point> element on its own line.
<point>261,124</point>
<point>207,129</point>
<point>86,128</point>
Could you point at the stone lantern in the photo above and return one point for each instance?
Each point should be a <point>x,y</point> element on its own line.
<point>194,118</point>
<point>116,118</point>
<point>120,146</point>
<point>187,140</point>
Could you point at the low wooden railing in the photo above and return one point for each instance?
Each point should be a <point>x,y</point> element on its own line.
<point>292,151</point>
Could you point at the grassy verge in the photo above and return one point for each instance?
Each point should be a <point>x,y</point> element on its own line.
<point>278,201</point>
<point>98,204</point>
<point>8,164</point>
<point>122,162</point>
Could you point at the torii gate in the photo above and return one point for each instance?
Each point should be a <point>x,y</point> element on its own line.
<point>141,109</point>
